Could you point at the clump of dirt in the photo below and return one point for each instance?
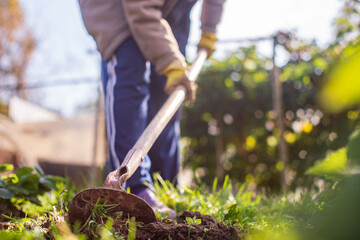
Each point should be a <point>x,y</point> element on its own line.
<point>179,229</point>
<point>9,210</point>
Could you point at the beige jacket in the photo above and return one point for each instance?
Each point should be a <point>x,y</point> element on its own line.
<point>110,22</point>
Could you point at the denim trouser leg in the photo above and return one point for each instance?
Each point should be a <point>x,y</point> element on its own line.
<point>126,91</point>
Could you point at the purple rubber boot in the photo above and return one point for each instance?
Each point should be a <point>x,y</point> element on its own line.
<point>156,205</point>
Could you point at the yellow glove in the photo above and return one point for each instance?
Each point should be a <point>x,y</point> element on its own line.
<point>178,74</point>
<point>207,42</point>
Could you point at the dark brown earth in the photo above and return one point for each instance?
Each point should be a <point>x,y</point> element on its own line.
<point>147,226</point>
<point>83,206</point>
<point>178,229</point>
<point>9,210</point>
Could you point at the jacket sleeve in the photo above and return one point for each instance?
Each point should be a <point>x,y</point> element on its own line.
<point>152,32</point>
<point>211,14</point>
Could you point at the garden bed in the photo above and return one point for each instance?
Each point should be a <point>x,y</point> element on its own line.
<point>188,225</point>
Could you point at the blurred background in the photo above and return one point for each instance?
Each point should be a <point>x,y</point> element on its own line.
<point>258,117</point>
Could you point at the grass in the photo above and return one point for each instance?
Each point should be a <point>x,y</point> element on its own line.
<point>98,217</point>
<point>240,207</point>
<point>262,217</point>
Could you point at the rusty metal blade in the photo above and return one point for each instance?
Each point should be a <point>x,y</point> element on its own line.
<point>129,204</point>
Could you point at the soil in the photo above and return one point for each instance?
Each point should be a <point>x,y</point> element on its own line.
<point>178,229</point>
<point>147,225</point>
<point>9,210</point>
<point>208,229</point>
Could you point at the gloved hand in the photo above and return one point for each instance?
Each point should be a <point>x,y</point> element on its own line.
<point>178,74</point>
<point>207,42</point>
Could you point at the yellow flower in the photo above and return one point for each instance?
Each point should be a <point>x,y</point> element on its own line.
<point>307,127</point>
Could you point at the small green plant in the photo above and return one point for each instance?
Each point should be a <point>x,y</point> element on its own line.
<point>192,221</point>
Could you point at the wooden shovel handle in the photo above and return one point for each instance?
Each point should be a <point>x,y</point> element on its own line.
<point>136,155</point>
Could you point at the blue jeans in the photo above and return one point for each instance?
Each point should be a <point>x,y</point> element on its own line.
<point>134,93</point>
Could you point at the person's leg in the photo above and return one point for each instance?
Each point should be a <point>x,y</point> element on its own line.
<point>126,91</point>
<point>165,153</point>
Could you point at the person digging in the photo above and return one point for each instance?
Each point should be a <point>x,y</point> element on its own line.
<point>142,45</point>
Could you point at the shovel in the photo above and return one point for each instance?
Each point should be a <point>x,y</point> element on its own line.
<point>118,200</point>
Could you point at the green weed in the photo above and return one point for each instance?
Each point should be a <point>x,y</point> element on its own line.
<point>190,222</point>
<point>98,218</point>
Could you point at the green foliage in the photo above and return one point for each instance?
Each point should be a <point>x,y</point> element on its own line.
<point>330,167</point>
<point>244,208</point>
<point>353,149</point>
<point>347,24</point>
<point>25,235</point>
<point>342,88</point>
<point>40,227</point>
<point>233,115</point>
<point>25,184</point>
<point>6,167</point>
<point>338,218</point>
<point>341,163</point>
<point>41,221</point>
<point>239,215</point>
<point>231,128</point>
<point>212,202</point>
